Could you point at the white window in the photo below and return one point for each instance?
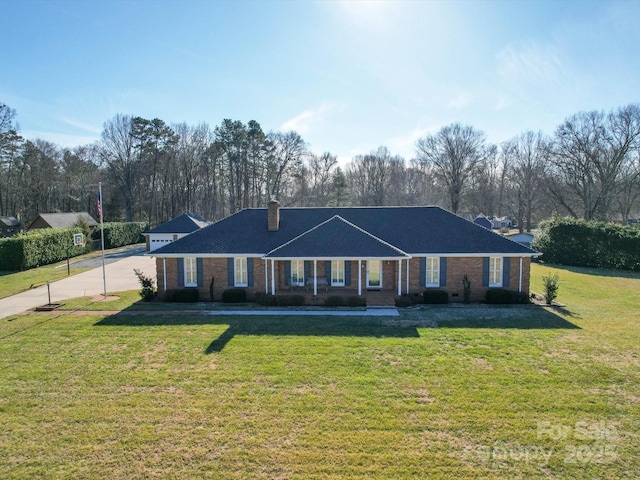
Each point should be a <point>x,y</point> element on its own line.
<point>297,273</point>
<point>433,272</point>
<point>495,271</point>
<point>190,272</point>
<point>374,274</point>
<point>240,272</point>
<point>337,273</point>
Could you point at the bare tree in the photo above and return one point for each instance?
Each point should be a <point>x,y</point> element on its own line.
<point>588,153</point>
<point>527,155</point>
<point>454,153</point>
<point>118,154</point>
<point>367,176</point>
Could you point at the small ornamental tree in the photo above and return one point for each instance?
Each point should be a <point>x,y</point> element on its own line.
<point>551,287</point>
<point>146,293</point>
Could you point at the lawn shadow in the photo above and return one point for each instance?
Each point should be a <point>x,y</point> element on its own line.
<point>518,317</point>
<point>317,326</point>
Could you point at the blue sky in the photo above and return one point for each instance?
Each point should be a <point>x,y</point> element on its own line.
<point>349,76</point>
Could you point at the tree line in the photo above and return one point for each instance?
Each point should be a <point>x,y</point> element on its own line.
<point>152,171</point>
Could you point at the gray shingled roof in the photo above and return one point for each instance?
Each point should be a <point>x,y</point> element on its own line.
<point>414,230</point>
<point>186,223</point>
<point>10,221</point>
<point>66,220</point>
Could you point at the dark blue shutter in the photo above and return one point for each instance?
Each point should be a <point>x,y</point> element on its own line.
<point>443,271</point>
<point>180,272</point>
<point>423,272</point>
<point>231,277</point>
<point>250,272</point>
<point>200,272</point>
<point>307,269</point>
<point>506,266</point>
<point>347,273</point>
<point>287,272</point>
<point>485,272</point>
<point>327,270</point>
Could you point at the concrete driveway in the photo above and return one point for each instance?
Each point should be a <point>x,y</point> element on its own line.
<point>119,274</point>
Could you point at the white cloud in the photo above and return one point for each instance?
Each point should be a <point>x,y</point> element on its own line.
<point>303,122</point>
<point>541,64</point>
<point>81,125</point>
<point>405,145</point>
<point>460,101</point>
<point>61,139</point>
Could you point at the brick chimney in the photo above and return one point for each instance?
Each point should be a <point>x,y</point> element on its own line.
<point>273,215</point>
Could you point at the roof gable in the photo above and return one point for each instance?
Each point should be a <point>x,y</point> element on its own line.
<point>61,220</point>
<point>336,238</point>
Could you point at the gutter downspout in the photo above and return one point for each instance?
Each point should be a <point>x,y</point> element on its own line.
<point>164,273</point>
<point>520,279</point>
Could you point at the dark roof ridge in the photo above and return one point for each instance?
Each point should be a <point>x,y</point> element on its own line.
<point>338,217</point>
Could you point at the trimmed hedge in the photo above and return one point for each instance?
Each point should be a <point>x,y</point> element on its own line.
<point>435,297</point>
<point>269,300</point>
<point>340,301</point>
<point>41,247</point>
<point>568,241</point>
<point>409,300</point>
<point>234,295</point>
<point>183,295</point>
<point>119,234</point>
<point>502,296</point>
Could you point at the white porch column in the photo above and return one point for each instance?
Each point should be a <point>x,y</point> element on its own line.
<point>399,277</point>
<point>273,278</point>
<point>164,273</point>
<point>266,276</point>
<point>407,276</point>
<point>315,278</point>
<point>520,278</point>
<point>359,277</point>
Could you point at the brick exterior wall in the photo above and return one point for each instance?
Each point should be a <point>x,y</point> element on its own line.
<point>457,267</point>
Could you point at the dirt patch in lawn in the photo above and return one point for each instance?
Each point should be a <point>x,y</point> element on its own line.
<point>102,298</point>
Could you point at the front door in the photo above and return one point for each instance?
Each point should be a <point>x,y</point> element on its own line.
<point>374,274</point>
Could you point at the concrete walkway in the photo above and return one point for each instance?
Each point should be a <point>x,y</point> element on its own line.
<point>119,276</point>
<point>369,312</point>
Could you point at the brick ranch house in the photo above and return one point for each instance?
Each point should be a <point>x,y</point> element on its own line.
<point>377,252</point>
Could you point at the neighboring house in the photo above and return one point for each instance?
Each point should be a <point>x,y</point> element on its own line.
<point>9,226</point>
<point>483,221</point>
<point>60,220</point>
<point>173,230</point>
<point>501,222</point>
<point>524,238</point>
<point>370,251</point>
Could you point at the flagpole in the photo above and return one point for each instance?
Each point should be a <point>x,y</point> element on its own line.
<point>104,275</point>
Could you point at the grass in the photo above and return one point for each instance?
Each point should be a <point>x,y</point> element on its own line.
<point>190,396</point>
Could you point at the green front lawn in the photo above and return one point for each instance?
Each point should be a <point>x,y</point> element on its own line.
<point>549,394</point>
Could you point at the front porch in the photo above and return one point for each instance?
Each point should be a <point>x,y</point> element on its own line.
<point>380,280</point>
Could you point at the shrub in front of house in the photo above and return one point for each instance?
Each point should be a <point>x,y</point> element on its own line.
<point>265,299</point>
<point>334,301</point>
<point>289,300</point>
<point>186,295</point>
<point>502,296</point>
<point>356,301</point>
<point>234,295</point>
<point>268,300</point>
<point>408,300</point>
<point>435,297</point>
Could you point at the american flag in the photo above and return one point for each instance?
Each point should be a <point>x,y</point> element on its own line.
<point>100,206</point>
